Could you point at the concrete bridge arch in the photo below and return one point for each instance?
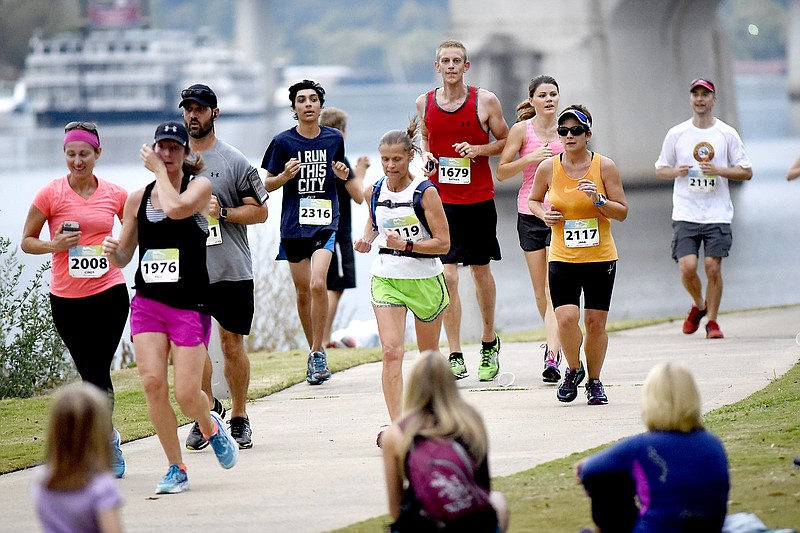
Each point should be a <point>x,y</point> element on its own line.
<point>629,61</point>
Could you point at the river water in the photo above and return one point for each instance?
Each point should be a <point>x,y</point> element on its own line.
<point>759,272</point>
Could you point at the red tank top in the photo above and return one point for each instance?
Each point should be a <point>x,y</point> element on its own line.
<point>446,128</point>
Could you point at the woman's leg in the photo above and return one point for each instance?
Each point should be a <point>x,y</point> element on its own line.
<point>187,367</point>
<point>391,329</point>
<point>596,341</point>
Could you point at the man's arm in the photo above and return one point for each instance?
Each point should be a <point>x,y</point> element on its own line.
<point>794,171</point>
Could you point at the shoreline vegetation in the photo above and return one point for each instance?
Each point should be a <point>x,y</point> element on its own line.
<point>761,435</point>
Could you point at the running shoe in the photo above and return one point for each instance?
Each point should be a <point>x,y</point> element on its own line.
<point>457,365</point>
<point>317,369</point>
<point>490,360</point>
<point>118,465</point>
<point>551,373</point>
<point>692,321</point>
<point>174,482</point>
<point>240,431</point>
<point>195,441</point>
<point>225,448</point>
<point>568,390</point>
<point>713,331</point>
<point>595,393</point>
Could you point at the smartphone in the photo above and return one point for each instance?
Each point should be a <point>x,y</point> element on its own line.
<point>70,226</point>
<point>430,165</point>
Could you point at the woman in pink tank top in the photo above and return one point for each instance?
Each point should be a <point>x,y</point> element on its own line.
<point>534,137</point>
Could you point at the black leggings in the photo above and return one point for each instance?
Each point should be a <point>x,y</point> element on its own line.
<point>91,328</point>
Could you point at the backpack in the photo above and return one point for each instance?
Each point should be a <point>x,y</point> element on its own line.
<point>442,475</point>
<point>416,202</point>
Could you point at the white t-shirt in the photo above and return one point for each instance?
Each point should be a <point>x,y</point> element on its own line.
<point>697,197</point>
<point>404,220</point>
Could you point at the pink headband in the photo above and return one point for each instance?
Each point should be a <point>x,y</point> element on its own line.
<point>82,135</point>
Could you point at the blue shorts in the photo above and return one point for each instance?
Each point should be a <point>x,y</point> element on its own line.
<point>296,249</point>
<point>181,326</point>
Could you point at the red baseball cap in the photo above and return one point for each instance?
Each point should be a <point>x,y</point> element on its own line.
<point>700,82</point>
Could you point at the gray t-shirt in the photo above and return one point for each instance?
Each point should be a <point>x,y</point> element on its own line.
<point>233,178</point>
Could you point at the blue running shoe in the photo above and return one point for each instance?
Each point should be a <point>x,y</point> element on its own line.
<point>595,392</point>
<point>317,371</point>
<point>174,482</point>
<point>225,448</point>
<point>568,390</point>
<point>118,465</point>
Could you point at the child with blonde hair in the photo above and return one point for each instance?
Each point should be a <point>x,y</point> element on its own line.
<point>77,492</point>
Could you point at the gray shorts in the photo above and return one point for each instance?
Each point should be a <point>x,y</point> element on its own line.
<point>687,237</point>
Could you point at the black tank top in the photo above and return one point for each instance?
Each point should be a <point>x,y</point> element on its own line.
<point>189,237</point>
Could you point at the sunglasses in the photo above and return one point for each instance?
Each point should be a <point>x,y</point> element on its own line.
<point>86,126</point>
<point>188,93</point>
<point>574,130</point>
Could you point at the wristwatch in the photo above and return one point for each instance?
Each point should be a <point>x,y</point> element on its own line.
<point>601,200</point>
<point>409,245</point>
<point>223,213</point>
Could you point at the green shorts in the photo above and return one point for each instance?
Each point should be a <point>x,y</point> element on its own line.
<point>426,297</point>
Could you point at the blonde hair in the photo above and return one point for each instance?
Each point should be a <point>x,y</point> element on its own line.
<point>433,408</point>
<point>78,444</point>
<point>671,400</point>
<point>333,117</point>
<point>451,44</point>
<point>406,138</point>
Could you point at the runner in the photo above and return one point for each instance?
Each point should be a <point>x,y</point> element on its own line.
<point>167,220</point>
<point>412,232</point>
<point>305,161</point>
<point>584,192</point>
<point>534,136</point>
<point>456,122</point>
<point>238,198</point>
<point>700,156</point>
<point>88,297</point>
<point>342,270</point>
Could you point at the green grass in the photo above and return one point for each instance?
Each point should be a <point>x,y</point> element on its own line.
<point>761,435</point>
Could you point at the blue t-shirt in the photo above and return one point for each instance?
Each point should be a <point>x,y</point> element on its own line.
<point>676,474</point>
<point>314,186</point>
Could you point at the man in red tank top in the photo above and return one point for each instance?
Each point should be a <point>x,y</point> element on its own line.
<point>456,121</point>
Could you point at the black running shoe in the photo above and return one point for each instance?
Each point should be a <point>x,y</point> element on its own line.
<point>240,431</point>
<point>568,390</point>
<point>195,441</point>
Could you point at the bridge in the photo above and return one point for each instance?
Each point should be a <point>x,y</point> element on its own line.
<point>629,61</point>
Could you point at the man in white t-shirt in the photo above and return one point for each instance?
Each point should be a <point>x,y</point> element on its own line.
<point>700,156</point>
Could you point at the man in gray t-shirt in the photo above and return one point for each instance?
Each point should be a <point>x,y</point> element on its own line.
<point>238,199</point>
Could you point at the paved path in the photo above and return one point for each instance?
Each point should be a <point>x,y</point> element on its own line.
<point>315,467</point>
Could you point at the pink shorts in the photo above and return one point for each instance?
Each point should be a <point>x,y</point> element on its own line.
<point>181,326</point>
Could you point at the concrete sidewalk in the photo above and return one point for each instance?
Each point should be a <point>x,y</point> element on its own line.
<point>314,465</point>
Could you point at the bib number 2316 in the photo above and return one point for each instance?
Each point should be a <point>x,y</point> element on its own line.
<point>161,265</point>
<point>316,211</point>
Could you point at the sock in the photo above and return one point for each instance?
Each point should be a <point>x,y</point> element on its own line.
<point>489,345</point>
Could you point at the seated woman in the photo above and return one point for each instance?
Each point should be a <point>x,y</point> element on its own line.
<point>677,471</point>
<point>435,411</point>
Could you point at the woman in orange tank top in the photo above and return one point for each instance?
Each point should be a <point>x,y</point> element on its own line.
<point>584,192</point>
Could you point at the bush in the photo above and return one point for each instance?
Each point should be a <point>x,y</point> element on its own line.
<point>32,359</point>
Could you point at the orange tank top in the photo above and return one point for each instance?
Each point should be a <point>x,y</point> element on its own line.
<point>584,234</point>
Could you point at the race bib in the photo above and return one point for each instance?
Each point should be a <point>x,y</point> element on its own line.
<point>316,211</point>
<point>161,265</point>
<point>408,227</point>
<point>214,232</point>
<point>455,170</point>
<point>87,262</point>
<point>581,233</point>
<point>699,182</point>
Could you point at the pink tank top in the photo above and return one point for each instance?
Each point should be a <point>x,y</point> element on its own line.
<point>532,142</point>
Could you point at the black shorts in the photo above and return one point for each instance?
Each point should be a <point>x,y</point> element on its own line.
<point>342,272</point>
<point>687,237</point>
<point>473,233</point>
<point>295,250</point>
<point>534,234</point>
<point>596,280</point>
<point>232,304</point>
